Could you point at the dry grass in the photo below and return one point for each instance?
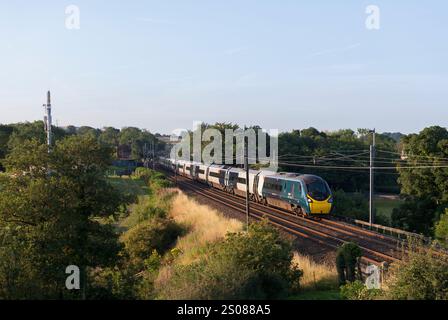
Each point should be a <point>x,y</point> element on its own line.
<point>315,275</point>
<point>205,225</point>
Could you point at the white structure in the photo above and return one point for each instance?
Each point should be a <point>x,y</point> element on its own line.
<point>47,119</point>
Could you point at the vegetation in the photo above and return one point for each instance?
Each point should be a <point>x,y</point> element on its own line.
<point>352,205</point>
<point>357,290</point>
<point>138,140</point>
<point>442,229</point>
<point>426,189</point>
<point>347,259</point>
<point>316,276</point>
<point>48,206</point>
<point>420,276</point>
<point>135,238</point>
<point>247,265</point>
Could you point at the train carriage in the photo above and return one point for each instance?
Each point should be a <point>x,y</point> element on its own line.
<point>241,183</point>
<point>202,173</point>
<point>231,180</point>
<point>302,194</point>
<point>216,176</point>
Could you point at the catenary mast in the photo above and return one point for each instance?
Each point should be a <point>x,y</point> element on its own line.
<point>48,120</point>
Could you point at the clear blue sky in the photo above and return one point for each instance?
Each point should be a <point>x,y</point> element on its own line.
<point>161,65</point>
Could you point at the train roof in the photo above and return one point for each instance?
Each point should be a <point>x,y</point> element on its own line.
<point>295,177</point>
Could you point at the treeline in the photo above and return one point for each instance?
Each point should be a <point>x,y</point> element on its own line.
<point>424,183</point>
<point>139,141</point>
<point>308,150</point>
<point>331,154</point>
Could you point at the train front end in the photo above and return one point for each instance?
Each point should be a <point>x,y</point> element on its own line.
<point>319,196</point>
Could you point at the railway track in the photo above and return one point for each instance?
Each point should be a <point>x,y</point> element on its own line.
<point>376,248</point>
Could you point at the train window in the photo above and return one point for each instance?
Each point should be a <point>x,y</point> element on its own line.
<point>214,174</point>
<point>317,188</point>
<point>242,180</point>
<point>201,171</point>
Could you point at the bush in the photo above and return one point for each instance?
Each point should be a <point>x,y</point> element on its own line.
<point>415,215</point>
<point>154,234</point>
<point>154,179</point>
<point>111,284</point>
<point>253,265</point>
<point>420,276</point>
<point>352,205</point>
<point>347,262</point>
<point>441,229</point>
<point>358,291</point>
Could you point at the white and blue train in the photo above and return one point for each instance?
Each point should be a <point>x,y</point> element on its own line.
<point>303,194</point>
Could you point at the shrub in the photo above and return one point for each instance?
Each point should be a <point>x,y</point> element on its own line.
<point>352,205</point>
<point>347,262</point>
<point>111,284</point>
<point>154,234</point>
<point>154,179</point>
<point>358,291</point>
<point>253,265</point>
<point>420,276</point>
<point>415,215</point>
<point>441,229</point>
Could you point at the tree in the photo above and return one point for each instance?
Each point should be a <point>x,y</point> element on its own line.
<point>347,258</point>
<point>441,229</point>
<point>426,148</point>
<point>426,188</point>
<point>47,208</point>
<point>109,136</point>
<point>420,276</point>
<point>342,148</point>
<point>5,133</point>
<point>137,139</point>
<point>85,130</point>
<point>415,215</point>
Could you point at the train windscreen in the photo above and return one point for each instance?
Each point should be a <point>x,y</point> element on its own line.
<point>317,188</point>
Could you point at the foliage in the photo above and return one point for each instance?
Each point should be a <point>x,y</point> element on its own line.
<point>353,205</point>
<point>441,230</point>
<point>420,276</point>
<point>252,265</point>
<point>415,215</point>
<point>347,258</point>
<point>426,147</point>
<point>310,147</point>
<point>47,208</point>
<point>157,234</point>
<point>154,179</point>
<point>356,290</point>
<point>426,188</point>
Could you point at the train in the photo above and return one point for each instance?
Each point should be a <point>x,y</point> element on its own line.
<point>302,194</point>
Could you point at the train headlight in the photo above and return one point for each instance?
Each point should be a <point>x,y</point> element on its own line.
<point>310,200</point>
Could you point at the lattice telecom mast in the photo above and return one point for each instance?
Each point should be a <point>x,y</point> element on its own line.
<point>48,119</point>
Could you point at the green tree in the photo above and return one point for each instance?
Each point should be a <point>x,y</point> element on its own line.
<point>48,209</point>
<point>421,275</point>
<point>109,136</point>
<point>347,258</point>
<point>441,229</point>
<point>426,188</point>
<point>415,215</point>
